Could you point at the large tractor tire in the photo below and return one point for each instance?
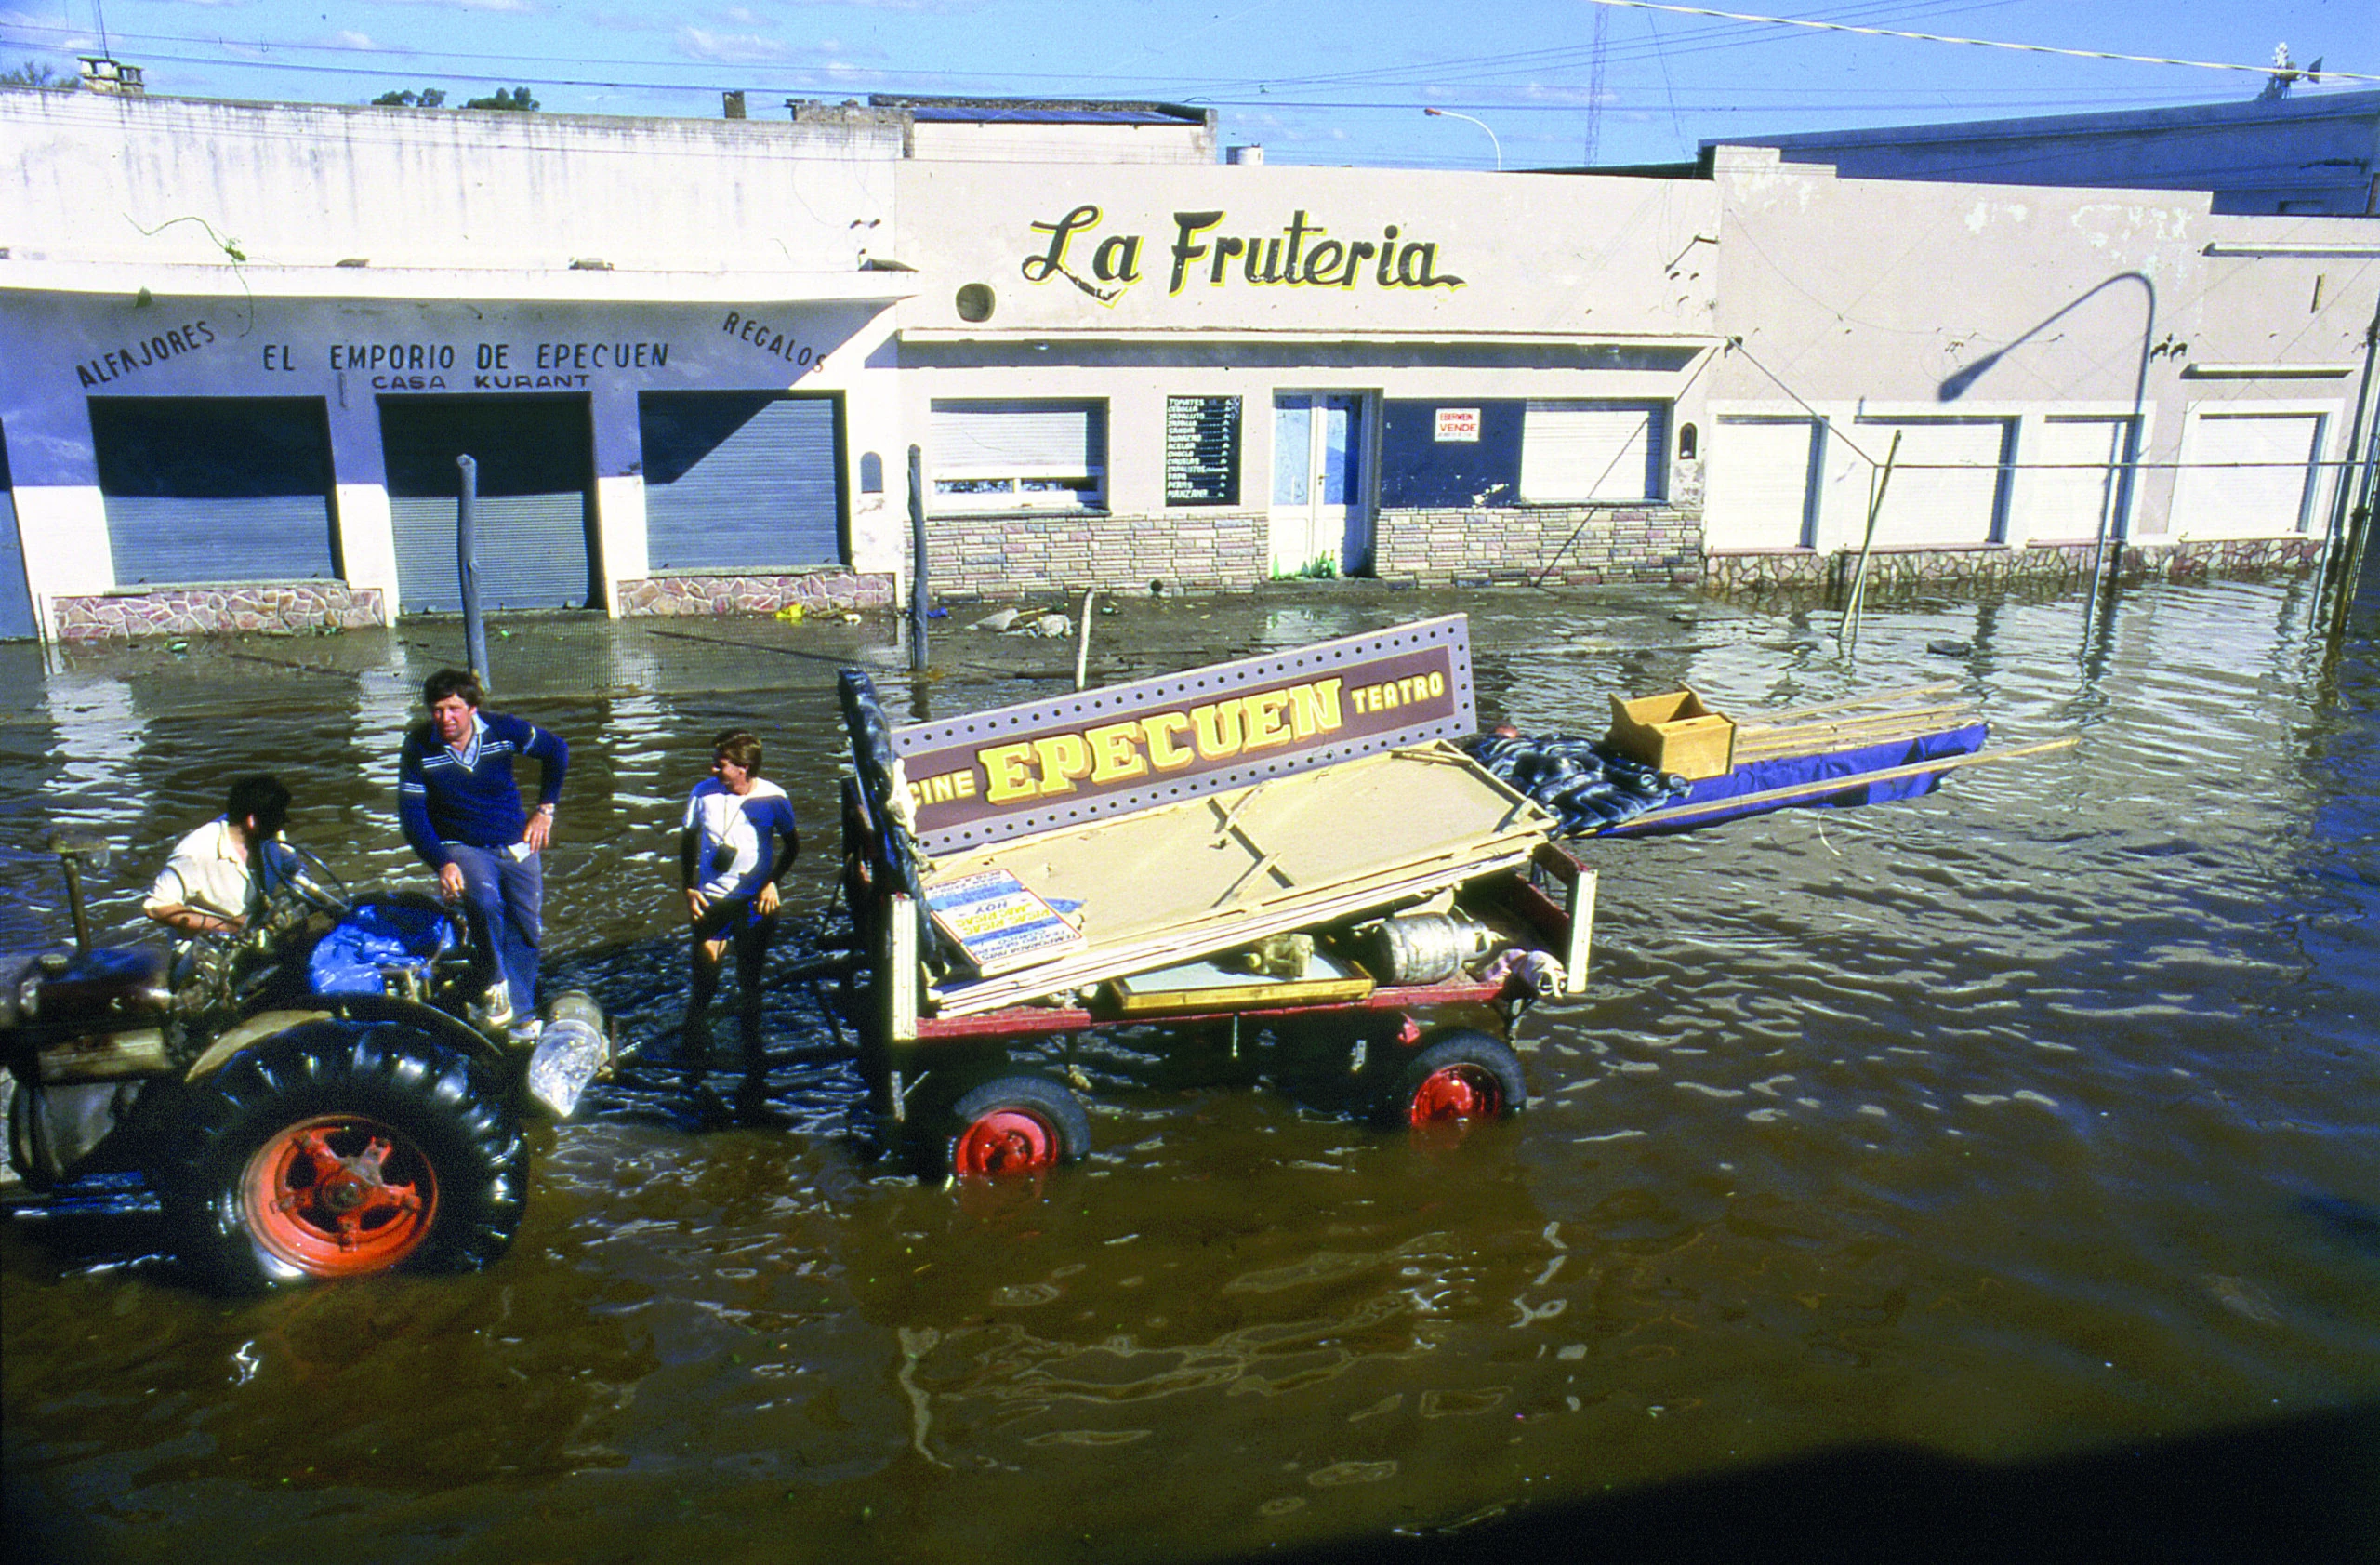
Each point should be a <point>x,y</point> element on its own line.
<point>343,1149</point>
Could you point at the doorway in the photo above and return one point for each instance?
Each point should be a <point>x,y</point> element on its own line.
<point>1321,522</point>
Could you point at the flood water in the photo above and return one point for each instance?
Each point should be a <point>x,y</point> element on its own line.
<point>1903,1173</point>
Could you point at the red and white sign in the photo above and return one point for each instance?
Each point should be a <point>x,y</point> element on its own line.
<point>1459,423</point>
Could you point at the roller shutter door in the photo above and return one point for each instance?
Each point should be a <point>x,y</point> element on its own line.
<point>1760,482</point>
<point>2246,473</point>
<point>1593,451</point>
<point>214,488</point>
<point>2074,478</point>
<point>16,604</point>
<point>536,514</point>
<point>740,480</point>
<point>1947,480</point>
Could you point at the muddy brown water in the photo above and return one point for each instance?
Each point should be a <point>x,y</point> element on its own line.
<point>1943,1154</point>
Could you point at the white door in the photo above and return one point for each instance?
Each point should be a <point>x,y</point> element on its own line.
<point>2246,474</point>
<point>2074,478</point>
<point>1945,487</point>
<point>1320,526</point>
<point>1760,483</point>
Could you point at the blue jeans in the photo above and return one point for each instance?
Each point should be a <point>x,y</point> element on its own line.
<point>505,897</point>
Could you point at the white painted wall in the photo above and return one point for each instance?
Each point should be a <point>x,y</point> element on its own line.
<point>1859,298</point>
<point>64,349</point>
<point>1537,255</point>
<point>148,181</point>
<point>1011,141</point>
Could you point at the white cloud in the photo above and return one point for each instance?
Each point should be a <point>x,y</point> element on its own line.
<point>700,43</point>
<point>514,7</point>
<point>350,40</point>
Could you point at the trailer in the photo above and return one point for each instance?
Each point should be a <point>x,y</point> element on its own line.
<point>1288,843</point>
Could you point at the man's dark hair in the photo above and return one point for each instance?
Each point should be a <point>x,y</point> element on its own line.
<point>451,681</point>
<point>740,747</point>
<point>261,797</point>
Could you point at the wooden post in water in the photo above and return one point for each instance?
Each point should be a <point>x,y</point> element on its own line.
<point>1850,625</point>
<point>916,561</point>
<point>467,567</point>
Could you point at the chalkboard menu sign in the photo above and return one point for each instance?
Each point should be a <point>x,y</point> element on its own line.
<point>1202,450</point>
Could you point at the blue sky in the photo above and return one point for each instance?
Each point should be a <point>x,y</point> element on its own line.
<point>1315,82</point>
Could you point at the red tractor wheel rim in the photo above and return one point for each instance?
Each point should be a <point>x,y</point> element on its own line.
<point>1457,1092</point>
<point>1003,1143</point>
<point>339,1195</point>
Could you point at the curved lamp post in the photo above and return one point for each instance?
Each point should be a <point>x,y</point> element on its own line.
<point>1450,114</point>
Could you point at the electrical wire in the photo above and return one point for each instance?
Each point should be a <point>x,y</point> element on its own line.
<point>2291,71</point>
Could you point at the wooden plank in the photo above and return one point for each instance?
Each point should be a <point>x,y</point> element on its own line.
<point>1934,717</point>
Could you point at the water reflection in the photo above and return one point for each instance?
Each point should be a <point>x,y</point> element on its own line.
<point>2028,1118</point>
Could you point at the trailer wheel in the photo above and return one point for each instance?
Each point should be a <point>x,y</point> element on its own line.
<point>1464,1075</point>
<point>1015,1125</point>
<point>344,1149</point>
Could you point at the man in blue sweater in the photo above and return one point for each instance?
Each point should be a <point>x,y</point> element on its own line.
<point>462,814</point>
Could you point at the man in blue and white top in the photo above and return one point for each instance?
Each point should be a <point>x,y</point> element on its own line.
<point>739,840</point>
<point>462,814</point>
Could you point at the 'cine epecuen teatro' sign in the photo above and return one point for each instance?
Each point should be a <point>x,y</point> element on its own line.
<point>1014,770</point>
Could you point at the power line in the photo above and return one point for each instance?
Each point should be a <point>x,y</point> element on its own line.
<point>2291,70</point>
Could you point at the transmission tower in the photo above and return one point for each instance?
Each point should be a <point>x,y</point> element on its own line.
<point>1594,83</point>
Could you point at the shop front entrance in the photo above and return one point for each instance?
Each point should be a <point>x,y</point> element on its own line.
<point>1321,513</point>
<point>536,516</point>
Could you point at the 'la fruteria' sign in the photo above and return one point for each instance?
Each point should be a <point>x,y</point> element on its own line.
<point>1014,770</point>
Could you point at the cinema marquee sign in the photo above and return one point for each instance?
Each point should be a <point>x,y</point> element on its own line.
<point>1300,254</point>
<point>1014,770</point>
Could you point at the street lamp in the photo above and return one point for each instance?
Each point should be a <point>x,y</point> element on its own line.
<point>1450,114</point>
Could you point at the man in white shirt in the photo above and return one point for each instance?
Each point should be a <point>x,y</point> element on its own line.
<point>738,839</point>
<point>216,880</point>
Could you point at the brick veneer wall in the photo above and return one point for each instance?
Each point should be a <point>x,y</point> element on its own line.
<point>675,596</point>
<point>204,611</point>
<point>1014,556</point>
<point>2049,565</point>
<point>1575,546</point>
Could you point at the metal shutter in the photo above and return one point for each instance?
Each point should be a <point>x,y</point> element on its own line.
<point>214,488</point>
<point>535,517</point>
<point>1760,482</point>
<point>2246,472</point>
<point>1593,451</point>
<point>1946,482</point>
<point>16,603</point>
<point>740,480</point>
<point>2073,478</point>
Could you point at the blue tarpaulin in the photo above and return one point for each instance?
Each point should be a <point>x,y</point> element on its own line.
<point>375,936</point>
<point>1766,776</point>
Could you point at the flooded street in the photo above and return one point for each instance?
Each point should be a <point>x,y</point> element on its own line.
<point>2026,1126</point>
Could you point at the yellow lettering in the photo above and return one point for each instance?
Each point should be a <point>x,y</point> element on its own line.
<point>1159,732</point>
<point>1437,684</point>
<point>1317,708</point>
<point>1064,759</point>
<point>1113,752</point>
<point>1009,769</point>
<point>1265,728</point>
<point>1218,738</point>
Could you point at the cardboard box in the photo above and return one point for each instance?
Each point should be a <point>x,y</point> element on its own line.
<point>1674,732</point>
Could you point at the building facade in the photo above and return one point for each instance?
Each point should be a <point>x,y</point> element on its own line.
<point>248,346</point>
